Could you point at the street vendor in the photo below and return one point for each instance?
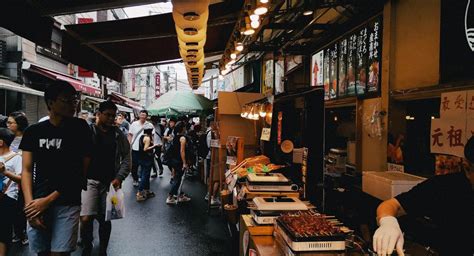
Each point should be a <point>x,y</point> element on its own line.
<point>447,200</point>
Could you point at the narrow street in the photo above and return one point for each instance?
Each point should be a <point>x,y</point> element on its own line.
<point>154,228</point>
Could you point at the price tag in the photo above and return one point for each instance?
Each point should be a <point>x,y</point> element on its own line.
<point>395,167</point>
<point>265,134</point>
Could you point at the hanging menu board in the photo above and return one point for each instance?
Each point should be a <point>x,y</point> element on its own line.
<point>326,70</point>
<point>362,55</point>
<point>375,44</point>
<point>333,72</point>
<point>352,65</point>
<point>342,81</point>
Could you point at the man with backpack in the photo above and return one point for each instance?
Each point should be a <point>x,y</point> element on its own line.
<point>158,141</point>
<point>179,149</point>
<point>10,177</point>
<point>135,132</point>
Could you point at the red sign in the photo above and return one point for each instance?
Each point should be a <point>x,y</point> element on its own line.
<point>82,72</point>
<point>280,118</point>
<point>157,85</point>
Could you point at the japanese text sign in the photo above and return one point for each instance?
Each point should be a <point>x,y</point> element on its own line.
<point>453,105</point>
<point>448,136</point>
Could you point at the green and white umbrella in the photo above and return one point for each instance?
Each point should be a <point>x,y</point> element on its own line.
<point>175,103</point>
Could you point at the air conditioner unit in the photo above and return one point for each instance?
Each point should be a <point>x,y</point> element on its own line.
<point>3,53</point>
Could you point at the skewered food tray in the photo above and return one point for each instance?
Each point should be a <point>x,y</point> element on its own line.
<point>311,231</point>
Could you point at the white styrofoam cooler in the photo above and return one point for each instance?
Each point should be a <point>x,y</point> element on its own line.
<point>385,185</point>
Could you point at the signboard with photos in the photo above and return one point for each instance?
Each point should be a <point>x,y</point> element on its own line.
<point>351,65</point>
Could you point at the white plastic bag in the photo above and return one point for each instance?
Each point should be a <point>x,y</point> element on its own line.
<point>115,207</point>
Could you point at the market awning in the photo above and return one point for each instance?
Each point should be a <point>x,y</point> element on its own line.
<point>120,99</point>
<point>12,86</point>
<point>108,47</point>
<point>79,85</point>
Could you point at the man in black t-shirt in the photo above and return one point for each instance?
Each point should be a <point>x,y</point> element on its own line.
<point>56,155</point>
<point>110,164</point>
<point>446,200</point>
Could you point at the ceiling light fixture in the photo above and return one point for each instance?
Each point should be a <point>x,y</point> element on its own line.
<point>239,47</point>
<point>255,24</point>
<point>307,12</point>
<point>260,10</point>
<point>254,17</point>
<point>233,56</point>
<point>263,1</point>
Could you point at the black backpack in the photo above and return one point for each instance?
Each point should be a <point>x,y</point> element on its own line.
<point>203,149</point>
<point>172,151</point>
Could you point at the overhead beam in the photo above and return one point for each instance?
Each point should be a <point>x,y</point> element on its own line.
<point>63,7</point>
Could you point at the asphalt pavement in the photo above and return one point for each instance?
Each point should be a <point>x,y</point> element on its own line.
<point>154,228</point>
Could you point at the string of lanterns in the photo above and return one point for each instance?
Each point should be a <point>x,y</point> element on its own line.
<point>248,25</point>
<point>190,17</point>
<point>254,111</point>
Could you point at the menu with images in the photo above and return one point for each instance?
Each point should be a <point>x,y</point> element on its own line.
<point>333,72</point>
<point>351,64</point>
<point>373,84</point>
<point>342,90</point>
<point>362,55</point>
<point>317,69</point>
<point>327,54</point>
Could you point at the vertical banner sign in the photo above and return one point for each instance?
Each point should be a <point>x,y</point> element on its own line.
<point>362,54</point>
<point>82,72</point>
<point>317,69</point>
<point>453,105</point>
<point>327,54</point>
<point>342,90</point>
<point>351,65</point>
<point>157,85</point>
<point>279,76</point>
<point>375,54</point>
<point>280,118</point>
<point>333,72</point>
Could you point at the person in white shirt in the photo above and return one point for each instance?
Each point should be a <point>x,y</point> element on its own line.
<point>135,132</point>
<point>10,176</point>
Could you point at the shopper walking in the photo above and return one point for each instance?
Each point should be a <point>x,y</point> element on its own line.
<point>135,132</point>
<point>158,142</point>
<point>179,164</point>
<point>17,123</point>
<point>59,151</point>
<point>10,177</point>
<point>110,164</point>
<point>145,161</point>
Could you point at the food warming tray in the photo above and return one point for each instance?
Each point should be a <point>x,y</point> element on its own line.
<point>279,204</point>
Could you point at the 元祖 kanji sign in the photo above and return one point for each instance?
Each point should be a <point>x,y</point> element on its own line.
<point>448,136</point>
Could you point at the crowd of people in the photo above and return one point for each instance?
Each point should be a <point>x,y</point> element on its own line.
<point>55,174</point>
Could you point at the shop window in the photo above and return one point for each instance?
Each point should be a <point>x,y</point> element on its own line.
<point>340,127</point>
<point>11,101</point>
<point>409,134</point>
